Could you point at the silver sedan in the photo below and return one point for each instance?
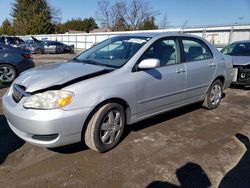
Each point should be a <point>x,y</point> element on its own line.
<point>120,81</point>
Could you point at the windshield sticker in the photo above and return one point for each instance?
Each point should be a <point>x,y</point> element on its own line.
<point>138,41</point>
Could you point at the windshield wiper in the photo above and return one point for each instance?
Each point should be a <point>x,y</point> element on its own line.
<point>89,61</point>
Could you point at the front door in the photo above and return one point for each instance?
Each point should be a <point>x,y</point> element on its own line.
<point>161,88</point>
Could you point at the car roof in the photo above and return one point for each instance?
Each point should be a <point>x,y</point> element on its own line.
<point>243,41</point>
<point>154,34</point>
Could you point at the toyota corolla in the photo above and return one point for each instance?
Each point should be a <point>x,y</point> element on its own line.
<point>120,81</point>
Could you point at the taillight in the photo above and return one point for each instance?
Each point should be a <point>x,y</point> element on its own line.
<point>28,56</point>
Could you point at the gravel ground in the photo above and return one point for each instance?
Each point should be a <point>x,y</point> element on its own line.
<point>189,147</point>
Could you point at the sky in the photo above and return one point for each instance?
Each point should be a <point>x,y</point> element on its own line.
<point>193,12</point>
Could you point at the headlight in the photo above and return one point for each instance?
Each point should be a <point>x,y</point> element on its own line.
<point>49,100</point>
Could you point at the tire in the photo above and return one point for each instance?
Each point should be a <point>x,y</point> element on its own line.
<point>39,51</point>
<point>214,95</point>
<point>59,50</point>
<point>8,73</point>
<point>105,128</point>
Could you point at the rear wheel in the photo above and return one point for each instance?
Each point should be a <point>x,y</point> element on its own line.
<point>105,128</point>
<point>39,51</point>
<point>7,73</point>
<point>214,95</point>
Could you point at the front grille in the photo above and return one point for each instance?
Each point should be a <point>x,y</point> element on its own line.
<point>18,93</point>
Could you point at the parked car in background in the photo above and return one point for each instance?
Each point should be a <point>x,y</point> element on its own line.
<point>34,45</point>
<point>240,52</point>
<point>13,61</point>
<point>57,47</point>
<point>37,46</point>
<point>120,81</point>
<point>11,41</point>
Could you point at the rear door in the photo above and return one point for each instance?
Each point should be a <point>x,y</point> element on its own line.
<point>200,65</point>
<point>49,47</point>
<point>163,87</point>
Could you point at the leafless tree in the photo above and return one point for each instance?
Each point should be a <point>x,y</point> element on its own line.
<point>138,12</point>
<point>164,22</point>
<point>104,13</point>
<point>121,13</point>
<point>56,15</point>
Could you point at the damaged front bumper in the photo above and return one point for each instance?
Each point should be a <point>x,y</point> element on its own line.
<point>46,128</point>
<point>241,75</point>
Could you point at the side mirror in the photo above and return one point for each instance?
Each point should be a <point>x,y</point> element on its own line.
<point>149,63</point>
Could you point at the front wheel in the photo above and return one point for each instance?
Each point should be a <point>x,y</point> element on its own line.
<point>7,73</point>
<point>105,128</point>
<point>214,95</point>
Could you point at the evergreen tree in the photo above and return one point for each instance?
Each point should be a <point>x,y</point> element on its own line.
<point>32,17</point>
<point>87,25</point>
<point>6,28</point>
<point>149,24</point>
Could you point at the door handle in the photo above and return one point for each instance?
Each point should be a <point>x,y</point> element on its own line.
<point>180,70</point>
<point>211,64</point>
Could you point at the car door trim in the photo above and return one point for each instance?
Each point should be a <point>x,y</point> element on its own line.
<point>197,87</point>
<point>161,96</point>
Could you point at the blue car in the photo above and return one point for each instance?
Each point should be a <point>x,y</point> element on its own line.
<point>13,61</point>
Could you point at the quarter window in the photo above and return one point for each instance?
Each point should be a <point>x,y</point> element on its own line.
<point>195,50</point>
<point>166,50</point>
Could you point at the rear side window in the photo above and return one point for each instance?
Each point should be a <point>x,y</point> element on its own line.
<point>195,50</point>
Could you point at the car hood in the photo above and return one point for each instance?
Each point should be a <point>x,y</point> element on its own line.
<point>58,74</point>
<point>241,60</point>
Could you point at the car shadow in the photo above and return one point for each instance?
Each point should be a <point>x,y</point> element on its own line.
<point>239,175</point>
<point>161,118</point>
<point>240,87</point>
<point>78,147</point>
<point>69,149</point>
<point>2,85</point>
<point>9,142</point>
<point>190,175</point>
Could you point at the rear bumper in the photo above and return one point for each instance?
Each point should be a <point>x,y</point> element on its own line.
<point>25,65</point>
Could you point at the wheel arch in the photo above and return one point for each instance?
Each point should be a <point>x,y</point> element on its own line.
<point>221,78</point>
<point>120,101</point>
<point>10,64</point>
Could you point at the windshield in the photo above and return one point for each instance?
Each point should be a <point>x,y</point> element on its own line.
<point>113,52</point>
<point>237,49</point>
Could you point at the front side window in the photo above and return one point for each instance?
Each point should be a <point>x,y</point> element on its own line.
<point>195,50</point>
<point>237,49</point>
<point>58,43</point>
<point>113,52</point>
<point>166,50</point>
